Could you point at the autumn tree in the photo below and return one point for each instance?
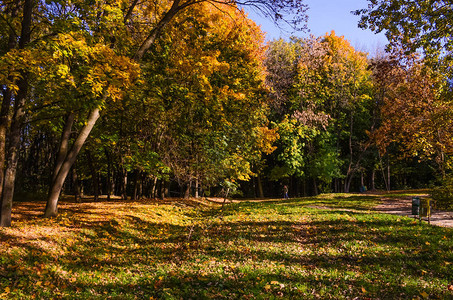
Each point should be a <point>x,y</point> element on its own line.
<point>326,87</point>
<point>416,109</point>
<point>17,19</point>
<point>297,127</point>
<point>281,65</point>
<point>210,85</point>
<point>126,27</point>
<point>413,25</point>
<point>334,79</point>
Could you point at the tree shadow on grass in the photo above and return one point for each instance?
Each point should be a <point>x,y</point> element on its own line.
<point>333,254</point>
<point>238,284</point>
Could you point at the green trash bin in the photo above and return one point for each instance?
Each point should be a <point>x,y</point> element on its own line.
<point>425,208</point>
<point>416,206</point>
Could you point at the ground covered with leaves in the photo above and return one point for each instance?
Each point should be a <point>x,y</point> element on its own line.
<point>248,250</point>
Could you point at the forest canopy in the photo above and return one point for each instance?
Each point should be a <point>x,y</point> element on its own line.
<point>186,99</point>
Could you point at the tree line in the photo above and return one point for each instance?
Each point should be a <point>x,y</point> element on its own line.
<point>184,98</point>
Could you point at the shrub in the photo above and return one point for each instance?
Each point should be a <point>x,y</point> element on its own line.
<point>443,195</point>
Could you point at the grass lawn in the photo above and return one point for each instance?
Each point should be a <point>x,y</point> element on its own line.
<point>293,249</point>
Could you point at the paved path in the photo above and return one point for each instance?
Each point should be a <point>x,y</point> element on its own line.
<point>403,207</point>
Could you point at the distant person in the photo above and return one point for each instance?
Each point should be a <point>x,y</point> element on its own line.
<point>285,192</point>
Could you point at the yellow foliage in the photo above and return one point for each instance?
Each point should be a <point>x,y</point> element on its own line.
<point>266,138</point>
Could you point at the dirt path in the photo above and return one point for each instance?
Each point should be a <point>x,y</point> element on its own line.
<point>403,207</point>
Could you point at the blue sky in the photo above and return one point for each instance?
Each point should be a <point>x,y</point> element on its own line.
<point>325,16</point>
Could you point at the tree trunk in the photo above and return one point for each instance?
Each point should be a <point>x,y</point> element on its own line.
<point>187,192</point>
<point>155,32</point>
<point>388,173</point>
<point>346,186</point>
<point>6,104</point>
<point>350,171</point>
<point>304,187</point>
<point>109,174</point>
<point>75,179</point>
<point>16,124</point>
<point>136,183</point>
<point>13,154</point>
<point>162,190</point>
<point>260,187</point>
<point>315,187</point>
<point>153,190</point>
<point>112,183</point>
<point>383,175</point>
<point>225,198</point>
<point>4,120</point>
<point>64,144</point>
<point>81,189</point>
<point>196,187</point>
<point>347,183</point>
<point>124,185</point>
<point>141,183</point>
<point>373,176</point>
<point>54,194</point>
<point>362,180</point>
<point>94,176</point>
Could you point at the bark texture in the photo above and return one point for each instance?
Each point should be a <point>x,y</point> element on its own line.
<point>57,185</point>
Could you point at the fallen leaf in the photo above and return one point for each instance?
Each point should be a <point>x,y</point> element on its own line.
<point>424,295</point>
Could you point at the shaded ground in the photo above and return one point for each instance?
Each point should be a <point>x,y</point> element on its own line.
<point>403,207</point>
<point>190,249</point>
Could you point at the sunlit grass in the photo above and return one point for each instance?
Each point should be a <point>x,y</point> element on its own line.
<point>285,249</point>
